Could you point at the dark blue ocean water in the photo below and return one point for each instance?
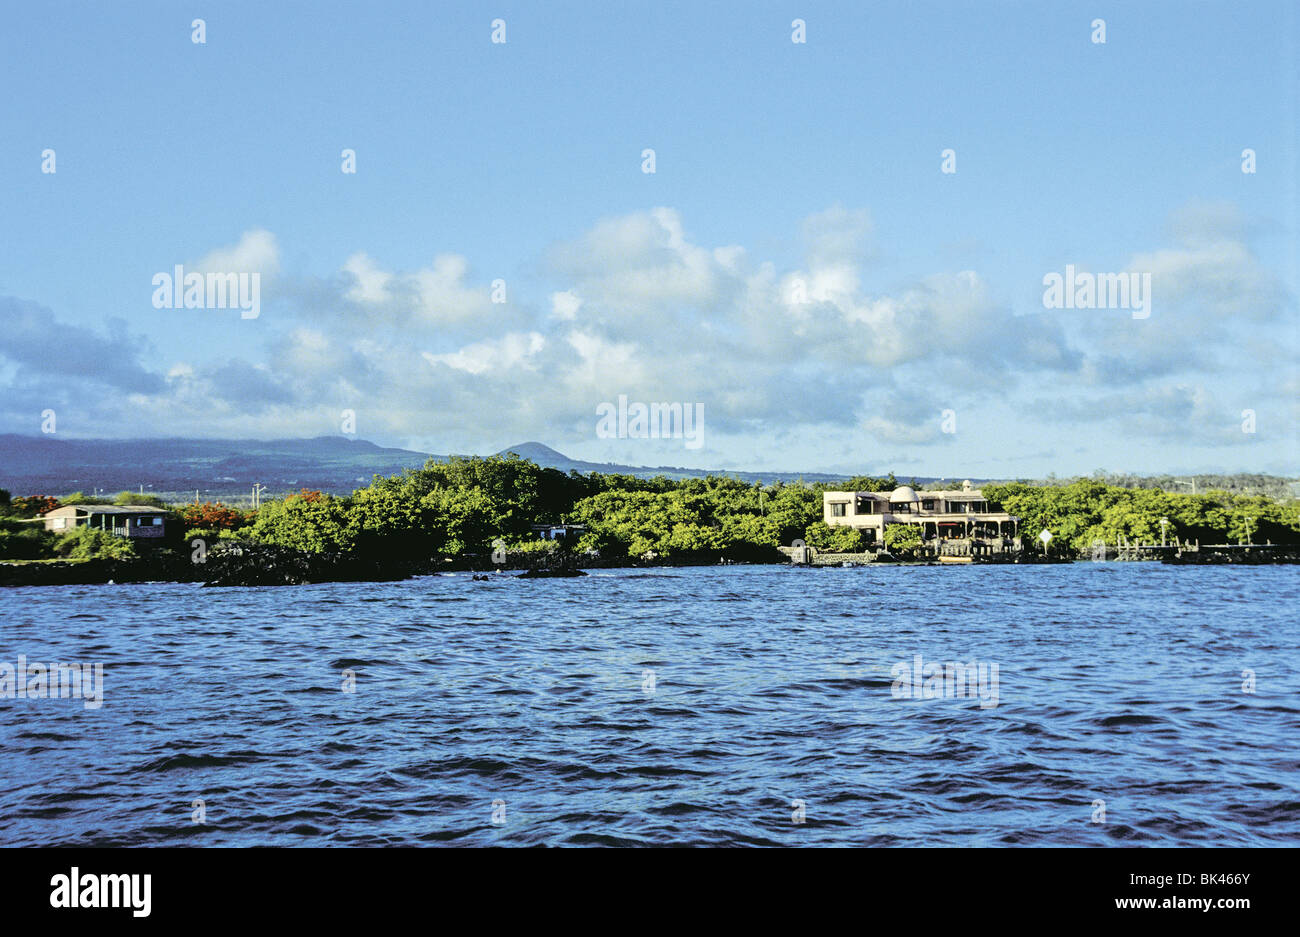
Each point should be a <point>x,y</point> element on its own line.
<point>1117,682</point>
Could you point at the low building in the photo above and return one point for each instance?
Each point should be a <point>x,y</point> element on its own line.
<point>942,515</point>
<point>559,531</point>
<point>126,520</point>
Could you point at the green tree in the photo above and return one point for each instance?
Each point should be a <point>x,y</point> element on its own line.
<point>836,538</point>
<point>134,497</point>
<point>20,541</point>
<point>91,543</point>
<point>902,539</point>
<point>315,524</point>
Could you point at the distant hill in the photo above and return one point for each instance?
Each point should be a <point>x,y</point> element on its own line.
<point>541,454</point>
<point>1241,483</point>
<point>216,467</point>
<point>547,457</point>
<point>228,468</point>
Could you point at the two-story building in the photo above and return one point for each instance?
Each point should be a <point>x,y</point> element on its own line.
<point>127,520</point>
<point>944,514</point>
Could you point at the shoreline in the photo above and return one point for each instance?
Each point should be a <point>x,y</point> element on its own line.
<point>259,565</point>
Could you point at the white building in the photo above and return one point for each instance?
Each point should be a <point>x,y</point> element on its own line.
<point>946,515</point>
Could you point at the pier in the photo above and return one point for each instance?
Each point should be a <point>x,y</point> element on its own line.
<point>955,551</point>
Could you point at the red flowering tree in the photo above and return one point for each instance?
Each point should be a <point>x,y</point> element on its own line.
<point>34,505</point>
<point>210,516</point>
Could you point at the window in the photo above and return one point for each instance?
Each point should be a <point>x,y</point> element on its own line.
<point>927,505</point>
<point>838,509</point>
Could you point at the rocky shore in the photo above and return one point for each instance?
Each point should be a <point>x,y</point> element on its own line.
<point>227,563</point>
<point>233,563</point>
<point>243,563</point>
<point>90,572</point>
<point>1267,555</point>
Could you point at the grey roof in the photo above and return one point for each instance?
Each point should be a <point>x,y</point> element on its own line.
<point>112,509</point>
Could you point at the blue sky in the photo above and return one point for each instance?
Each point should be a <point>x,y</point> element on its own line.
<point>778,165</point>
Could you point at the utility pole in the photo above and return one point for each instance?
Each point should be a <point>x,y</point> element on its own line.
<point>257,495</point>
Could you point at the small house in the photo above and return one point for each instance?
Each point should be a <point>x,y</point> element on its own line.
<point>122,520</point>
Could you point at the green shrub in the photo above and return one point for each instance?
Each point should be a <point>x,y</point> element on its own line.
<point>23,542</point>
<point>902,538</point>
<point>135,497</point>
<point>835,539</point>
<point>91,543</point>
<point>535,546</point>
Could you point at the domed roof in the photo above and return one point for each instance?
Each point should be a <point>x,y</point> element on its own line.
<point>904,493</point>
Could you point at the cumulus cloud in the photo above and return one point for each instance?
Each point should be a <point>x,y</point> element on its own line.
<point>1215,310</point>
<point>565,305</point>
<point>369,284</point>
<point>837,236</point>
<point>256,252</point>
<point>768,349</point>
<point>441,297</point>
<point>34,340</point>
<point>501,355</point>
<point>636,305</point>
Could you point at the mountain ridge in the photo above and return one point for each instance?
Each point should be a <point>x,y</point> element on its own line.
<point>230,467</point>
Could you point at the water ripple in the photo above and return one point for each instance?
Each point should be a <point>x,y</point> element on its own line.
<point>719,706</point>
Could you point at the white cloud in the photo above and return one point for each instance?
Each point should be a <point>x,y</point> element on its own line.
<point>438,295</point>
<point>634,306</point>
<point>370,284</point>
<point>256,252</point>
<point>498,355</point>
<point>836,236</point>
<point>565,305</point>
